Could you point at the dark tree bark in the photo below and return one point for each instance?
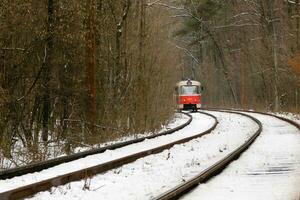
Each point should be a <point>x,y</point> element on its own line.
<point>142,60</point>
<point>119,33</point>
<point>90,61</point>
<point>47,70</point>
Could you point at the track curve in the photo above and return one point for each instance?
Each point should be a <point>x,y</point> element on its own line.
<point>268,170</point>
<point>297,125</point>
<point>31,189</point>
<point>39,166</point>
<point>213,170</point>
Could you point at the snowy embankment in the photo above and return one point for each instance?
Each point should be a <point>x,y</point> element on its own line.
<point>270,169</point>
<point>20,153</point>
<point>291,116</point>
<point>149,176</point>
<point>178,120</point>
<point>206,123</point>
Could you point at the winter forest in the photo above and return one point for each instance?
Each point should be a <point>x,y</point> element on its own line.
<point>80,73</point>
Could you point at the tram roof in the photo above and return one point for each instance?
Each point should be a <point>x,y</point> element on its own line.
<point>188,82</point>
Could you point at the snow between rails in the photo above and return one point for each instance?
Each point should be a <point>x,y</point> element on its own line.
<point>270,169</point>
<point>149,176</point>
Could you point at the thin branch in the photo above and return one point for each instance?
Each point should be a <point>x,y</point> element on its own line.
<point>153,3</point>
<point>236,25</point>
<point>169,6</point>
<point>36,78</point>
<point>186,51</point>
<point>18,49</point>
<point>124,16</point>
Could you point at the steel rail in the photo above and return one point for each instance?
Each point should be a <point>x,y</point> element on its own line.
<point>31,189</point>
<point>176,192</point>
<point>39,166</point>
<point>297,125</point>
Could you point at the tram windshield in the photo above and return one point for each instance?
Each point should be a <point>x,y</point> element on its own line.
<point>189,89</point>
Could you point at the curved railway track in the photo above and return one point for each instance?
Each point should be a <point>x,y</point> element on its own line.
<point>31,189</point>
<point>250,111</point>
<point>39,166</point>
<point>213,170</point>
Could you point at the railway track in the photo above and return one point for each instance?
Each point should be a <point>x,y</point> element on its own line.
<point>31,189</point>
<point>249,111</point>
<point>39,166</point>
<point>213,170</point>
<point>174,193</point>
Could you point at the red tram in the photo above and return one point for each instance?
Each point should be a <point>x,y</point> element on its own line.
<point>188,95</point>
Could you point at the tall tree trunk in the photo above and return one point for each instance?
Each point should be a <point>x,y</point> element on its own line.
<point>142,59</point>
<point>297,45</point>
<point>275,53</point>
<point>225,70</point>
<point>275,56</point>
<point>297,24</point>
<point>90,59</point>
<point>296,99</point>
<point>119,33</point>
<point>142,34</point>
<point>47,71</point>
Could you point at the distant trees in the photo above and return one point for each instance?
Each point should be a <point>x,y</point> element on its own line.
<point>243,50</point>
<point>74,71</point>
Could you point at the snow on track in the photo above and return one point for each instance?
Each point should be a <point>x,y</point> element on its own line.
<point>270,169</point>
<point>149,176</point>
<point>291,116</point>
<point>89,161</point>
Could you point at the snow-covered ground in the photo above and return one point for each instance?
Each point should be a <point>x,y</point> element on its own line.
<point>198,125</point>
<point>291,116</point>
<point>150,176</point>
<point>21,156</point>
<point>176,121</point>
<point>270,169</point>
